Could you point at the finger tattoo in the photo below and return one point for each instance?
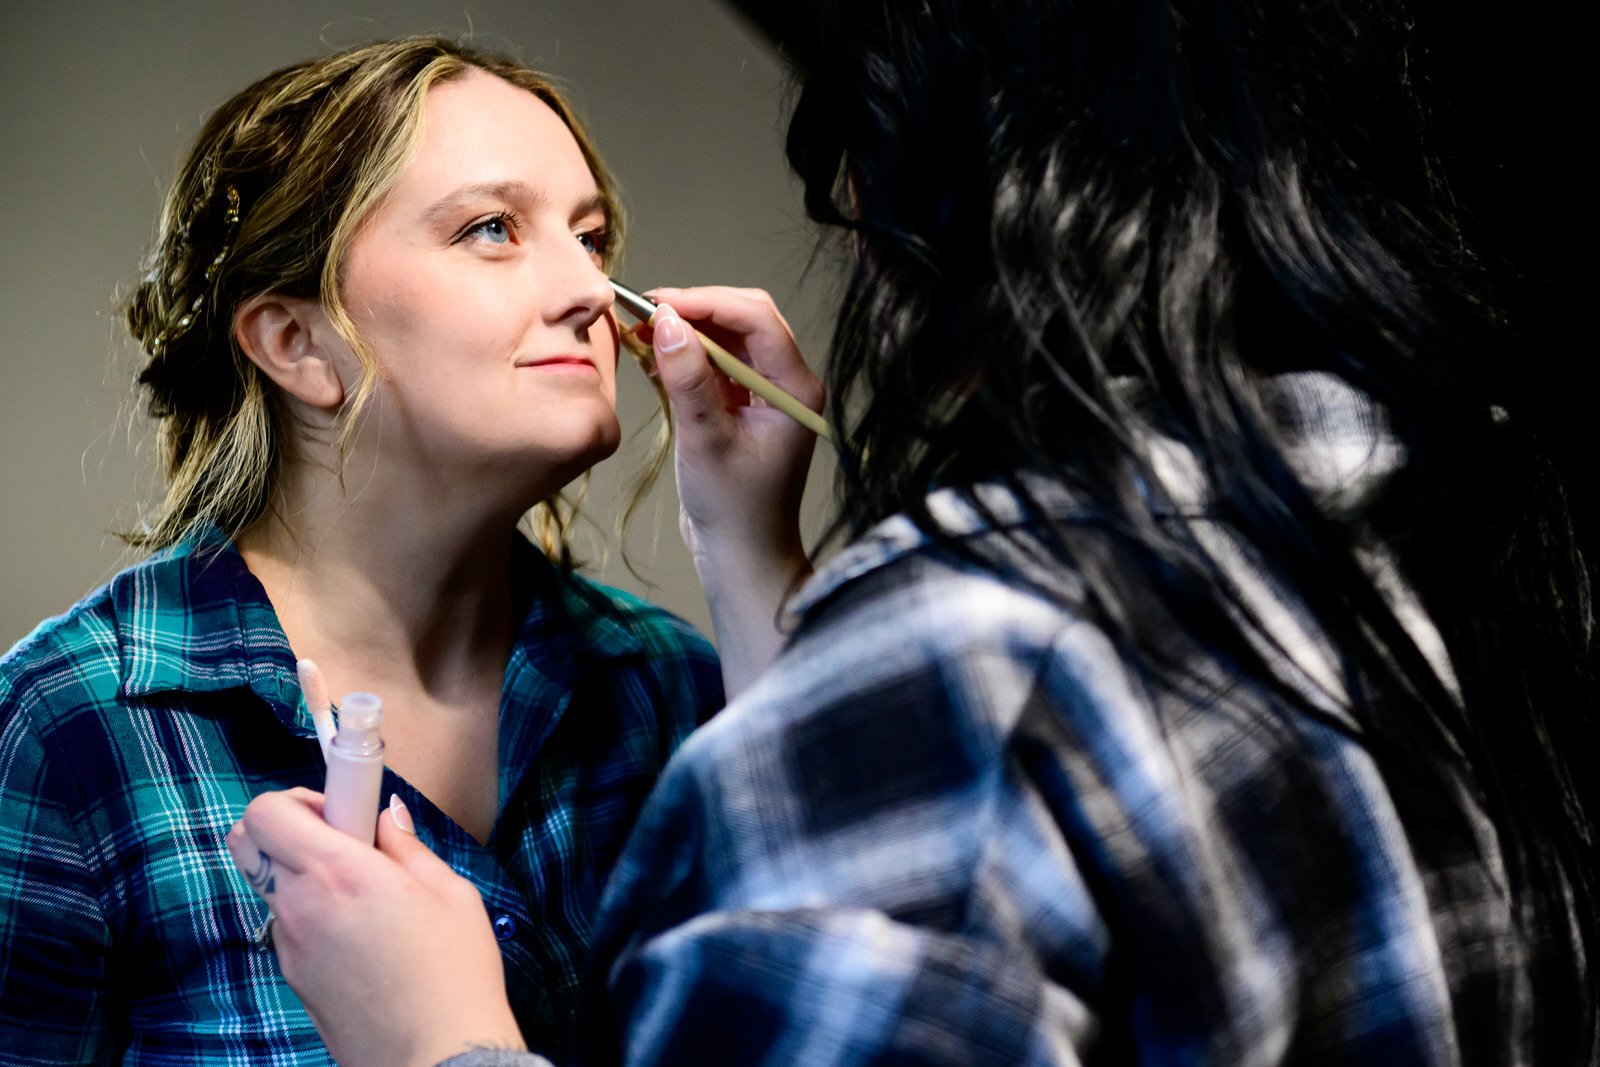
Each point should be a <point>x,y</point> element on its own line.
<point>262,880</point>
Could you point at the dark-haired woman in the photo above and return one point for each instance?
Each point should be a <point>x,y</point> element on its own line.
<point>1207,670</point>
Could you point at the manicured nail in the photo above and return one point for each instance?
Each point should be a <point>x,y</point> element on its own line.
<point>671,334</point>
<point>401,814</point>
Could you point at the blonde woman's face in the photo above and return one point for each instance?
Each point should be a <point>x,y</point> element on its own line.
<point>477,283</point>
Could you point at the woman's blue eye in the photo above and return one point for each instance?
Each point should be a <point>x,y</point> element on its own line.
<point>494,230</point>
<point>594,242</point>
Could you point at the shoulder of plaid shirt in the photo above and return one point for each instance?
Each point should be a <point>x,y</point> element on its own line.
<point>135,729</point>
<point>954,824</point>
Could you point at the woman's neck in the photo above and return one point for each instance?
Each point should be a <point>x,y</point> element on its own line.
<point>386,591</point>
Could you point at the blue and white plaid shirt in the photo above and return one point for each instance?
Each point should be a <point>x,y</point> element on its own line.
<point>955,825</point>
<point>135,729</point>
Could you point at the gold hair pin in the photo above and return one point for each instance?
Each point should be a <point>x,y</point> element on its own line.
<point>230,219</point>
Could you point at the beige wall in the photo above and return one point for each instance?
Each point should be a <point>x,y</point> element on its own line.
<point>98,98</point>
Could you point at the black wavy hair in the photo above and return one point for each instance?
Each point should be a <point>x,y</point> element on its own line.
<point>1052,199</point>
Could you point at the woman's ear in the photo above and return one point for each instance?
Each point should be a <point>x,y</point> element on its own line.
<point>286,337</point>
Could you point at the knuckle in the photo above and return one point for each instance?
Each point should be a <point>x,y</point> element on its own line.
<point>288,957</point>
<point>462,893</point>
<point>344,879</point>
<point>693,384</point>
<point>254,813</point>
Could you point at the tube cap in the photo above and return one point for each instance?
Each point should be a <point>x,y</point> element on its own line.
<point>360,715</point>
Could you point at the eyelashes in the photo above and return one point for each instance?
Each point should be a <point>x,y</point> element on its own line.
<point>597,242</point>
<point>496,229</point>
<point>501,227</point>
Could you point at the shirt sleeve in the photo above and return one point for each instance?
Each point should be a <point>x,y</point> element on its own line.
<point>953,825</point>
<point>836,986</point>
<point>867,884</point>
<point>54,939</point>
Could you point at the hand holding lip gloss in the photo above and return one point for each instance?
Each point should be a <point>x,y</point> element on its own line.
<point>355,768</point>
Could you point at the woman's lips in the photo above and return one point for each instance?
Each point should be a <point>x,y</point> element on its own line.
<point>562,365</point>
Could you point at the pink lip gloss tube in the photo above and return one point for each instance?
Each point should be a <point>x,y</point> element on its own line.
<point>355,768</point>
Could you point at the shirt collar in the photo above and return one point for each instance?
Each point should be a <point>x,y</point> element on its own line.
<point>1336,437</point>
<point>567,605</point>
<point>954,515</point>
<point>193,619</point>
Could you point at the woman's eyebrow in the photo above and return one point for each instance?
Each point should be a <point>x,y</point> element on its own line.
<point>513,192</point>
<point>593,205</point>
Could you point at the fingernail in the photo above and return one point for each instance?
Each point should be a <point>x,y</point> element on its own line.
<point>671,334</point>
<point>401,814</point>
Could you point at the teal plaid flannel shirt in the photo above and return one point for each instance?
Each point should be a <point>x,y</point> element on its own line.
<point>135,728</point>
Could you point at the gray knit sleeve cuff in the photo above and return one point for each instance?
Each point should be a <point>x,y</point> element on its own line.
<point>490,1057</point>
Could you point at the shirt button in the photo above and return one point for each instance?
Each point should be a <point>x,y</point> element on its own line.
<point>504,927</point>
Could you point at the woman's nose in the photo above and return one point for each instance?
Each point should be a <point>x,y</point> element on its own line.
<point>581,292</point>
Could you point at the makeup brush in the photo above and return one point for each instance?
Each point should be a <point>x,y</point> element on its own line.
<point>644,309</point>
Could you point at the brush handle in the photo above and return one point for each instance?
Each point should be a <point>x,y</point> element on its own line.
<point>644,309</point>
<point>765,388</point>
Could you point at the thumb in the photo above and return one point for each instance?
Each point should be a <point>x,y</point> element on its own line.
<point>397,839</point>
<point>686,373</point>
